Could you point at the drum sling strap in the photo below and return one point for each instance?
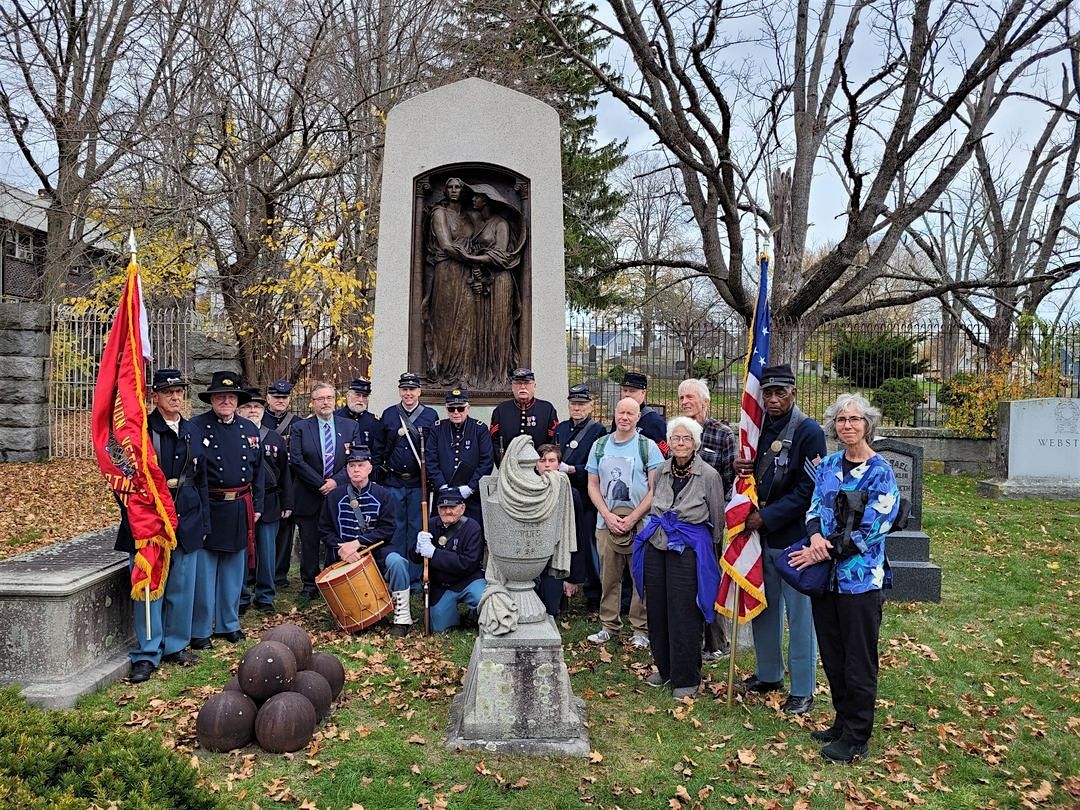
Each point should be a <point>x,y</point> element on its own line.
<point>362,520</point>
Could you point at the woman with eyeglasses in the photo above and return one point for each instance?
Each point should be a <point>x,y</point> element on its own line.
<point>674,565</point>
<point>847,616</point>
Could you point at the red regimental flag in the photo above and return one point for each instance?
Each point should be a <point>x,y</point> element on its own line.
<point>122,444</point>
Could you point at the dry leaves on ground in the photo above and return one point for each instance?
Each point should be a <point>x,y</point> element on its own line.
<point>43,503</point>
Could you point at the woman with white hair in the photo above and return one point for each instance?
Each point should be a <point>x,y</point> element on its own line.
<point>674,566</point>
<point>858,484</point>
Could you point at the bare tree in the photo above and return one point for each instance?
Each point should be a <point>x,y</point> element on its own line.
<point>80,87</point>
<point>900,122</point>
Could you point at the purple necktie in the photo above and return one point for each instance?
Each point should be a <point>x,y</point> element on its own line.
<point>328,450</point>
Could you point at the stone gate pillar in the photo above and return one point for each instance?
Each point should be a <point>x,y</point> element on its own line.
<point>24,397</point>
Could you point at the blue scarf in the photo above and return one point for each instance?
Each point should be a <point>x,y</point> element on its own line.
<point>697,536</point>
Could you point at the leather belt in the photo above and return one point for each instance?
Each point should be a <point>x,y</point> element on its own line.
<point>403,476</point>
<point>229,495</point>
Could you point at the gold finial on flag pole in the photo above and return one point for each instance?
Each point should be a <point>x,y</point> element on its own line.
<point>131,244</point>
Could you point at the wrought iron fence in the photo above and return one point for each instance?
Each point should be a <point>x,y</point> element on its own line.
<point>908,365</point>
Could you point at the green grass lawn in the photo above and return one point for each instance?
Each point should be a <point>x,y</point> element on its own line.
<point>979,704</point>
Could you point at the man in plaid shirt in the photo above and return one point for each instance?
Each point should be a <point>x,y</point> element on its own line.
<point>718,449</point>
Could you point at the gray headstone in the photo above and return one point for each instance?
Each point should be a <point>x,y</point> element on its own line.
<point>1038,450</point>
<point>907,464</point>
<point>471,122</point>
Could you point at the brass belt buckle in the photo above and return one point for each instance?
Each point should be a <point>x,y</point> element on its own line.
<point>172,483</point>
<point>229,496</point>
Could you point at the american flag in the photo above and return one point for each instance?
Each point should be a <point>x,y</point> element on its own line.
<point>742,577</point>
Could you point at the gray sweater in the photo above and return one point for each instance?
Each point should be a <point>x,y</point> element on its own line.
<point>701,500</point>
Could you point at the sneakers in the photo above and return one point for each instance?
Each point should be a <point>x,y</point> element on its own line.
<point>640,641</point>
<point>844,751</point>
<point>681,692</point>
<point>601,637</point>
<point>754,684</point>
<point>657,680</point>
<point>826,735</point>
<point>715,655</point>
<point>798,705</point>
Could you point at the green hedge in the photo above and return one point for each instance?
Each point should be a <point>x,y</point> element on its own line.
<point>63,760</point>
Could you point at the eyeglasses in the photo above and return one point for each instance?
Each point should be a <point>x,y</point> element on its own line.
<point>680,439</point>
<point>848,420</point>
<point>456,408</point>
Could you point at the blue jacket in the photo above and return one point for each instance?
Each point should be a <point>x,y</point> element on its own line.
<point>277,476</point>
<point>865,571</point>
<point>179,456</point>
<point>784,512</point>
<point>458,458</point>
<point>584,436</point>
<point>458,558</point>
<point>233,454</point>
<point>400,469</point>
<point>509,420</point>
<point>306,458</point>
<point>368,431</point>
<point>338,523</point>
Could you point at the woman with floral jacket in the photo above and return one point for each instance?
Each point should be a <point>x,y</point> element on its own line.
<point>847,617</point>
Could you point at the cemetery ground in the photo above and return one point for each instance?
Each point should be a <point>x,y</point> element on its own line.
<point>979,705</point>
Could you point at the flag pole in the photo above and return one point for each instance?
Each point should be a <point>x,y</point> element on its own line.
<point>734,648</point>
<point>146,588</point>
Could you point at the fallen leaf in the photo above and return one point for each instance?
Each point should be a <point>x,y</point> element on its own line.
<point>595,757</point>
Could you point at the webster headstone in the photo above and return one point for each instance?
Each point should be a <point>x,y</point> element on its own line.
<point>1038,450</point>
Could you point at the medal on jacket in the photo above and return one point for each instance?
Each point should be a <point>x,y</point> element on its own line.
<point>573,444</point>
<point>355,504</point>
<point>442,540</point>
<point>776,446</point>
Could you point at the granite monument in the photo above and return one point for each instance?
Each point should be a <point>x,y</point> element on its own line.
<point>1038,450</point>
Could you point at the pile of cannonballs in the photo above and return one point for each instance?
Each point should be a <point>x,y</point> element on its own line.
<point>280,692</point>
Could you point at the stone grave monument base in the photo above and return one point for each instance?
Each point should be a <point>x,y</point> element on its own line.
<point>65,619</point>
<point>517,697</point>
<point>1038,450</point>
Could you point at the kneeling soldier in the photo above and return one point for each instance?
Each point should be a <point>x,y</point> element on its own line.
<point>360,514</point>
<point>455,550</point>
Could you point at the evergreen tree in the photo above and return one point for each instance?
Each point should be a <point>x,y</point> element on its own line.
<point>504,41</point>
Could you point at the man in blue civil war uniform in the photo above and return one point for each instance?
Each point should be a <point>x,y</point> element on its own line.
<point>179,453</point>
<point>234,477</point>
<point>360,514</point>
<point>459,454</point>
<point>402,425</point>
<point>524,413</point>
<point>318,449</point>
<point>277,505</point>
<point>279,417</point>
<point>575,438</point>
<point>368,427</point>
<point>650,424</point>
<point>454,547</point>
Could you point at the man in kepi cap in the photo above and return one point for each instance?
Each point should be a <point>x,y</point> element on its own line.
<point>277,416</point>
<point>402,425</point>
<point>789,448</point>
<point>524,413</point>
<point>459,453</point>
<point>234,474</point>
<point>360,514</point>
<point>575,438</point>
<point>368,427</point>
<point>277,504</point>
<point>179,454</point>
<point>455,549</point>
<point>650,424</point>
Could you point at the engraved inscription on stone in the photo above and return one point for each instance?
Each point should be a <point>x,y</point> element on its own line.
<point>902,469</point>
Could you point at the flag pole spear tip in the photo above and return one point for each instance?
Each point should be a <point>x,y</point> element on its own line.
<point>131,242</point>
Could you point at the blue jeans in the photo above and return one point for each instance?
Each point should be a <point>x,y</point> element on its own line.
<point>218,580</point>
<point>444,613</point>
<point>769,631</point>
<point>407,508</point>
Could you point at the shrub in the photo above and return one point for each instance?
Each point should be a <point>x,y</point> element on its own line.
<point>868,360</point>
<point>707,368</point>
<point>897,399</point>
<point>972,398</point>
<point>616,372</point>
<point>71,759</point>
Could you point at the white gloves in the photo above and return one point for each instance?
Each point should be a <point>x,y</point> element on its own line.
<point>424,546</point>
<point>465,490</point>
<point>564,467</point>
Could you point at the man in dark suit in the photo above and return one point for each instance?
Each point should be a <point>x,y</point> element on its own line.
<point>403,425</point>
<point>459,453</point>
<point>318,448</point>
<point>369,429</point>
<point>575,438</point>
<point>277,416</point>
<point>790,446</point>
<point>234,477</point>
<point>524,413</point>
<point>178,452</point>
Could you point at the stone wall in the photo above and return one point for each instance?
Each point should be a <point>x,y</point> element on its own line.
<point>24,350</point>
<point>943,452</point>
